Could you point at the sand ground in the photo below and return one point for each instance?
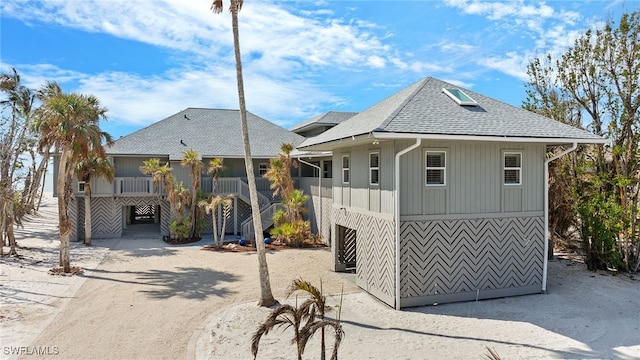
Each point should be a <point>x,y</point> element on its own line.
<point>139,298</point>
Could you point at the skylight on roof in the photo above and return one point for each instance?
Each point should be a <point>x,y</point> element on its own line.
<point>460,97</point>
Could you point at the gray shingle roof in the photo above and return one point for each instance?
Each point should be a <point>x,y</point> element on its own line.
<point>210,132</point>
<point>328,118</point>
<point>422,108</point>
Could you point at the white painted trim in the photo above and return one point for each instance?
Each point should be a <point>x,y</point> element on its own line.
<point>396,212</point>
<point>443,168</point>
<point>519,168</point>
<point>545,263</point>
<point>504,215</point>
<point>342,168</point>
<point>399,136</point>
<point>377,152</point>
<point>319,191</point>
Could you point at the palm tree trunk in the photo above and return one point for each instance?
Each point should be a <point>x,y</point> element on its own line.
<point>87,212</point>
<point>266,297</point>
<point>224,227</point>
<point>65,222</point>
<point>214,224</point>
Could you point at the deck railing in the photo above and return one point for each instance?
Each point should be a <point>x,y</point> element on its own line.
<point>133,186</point>
<point>142,186</point>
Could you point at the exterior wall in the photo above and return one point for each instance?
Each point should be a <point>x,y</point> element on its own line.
<point>472,238</point>
<point>107,217</point>
<point>446,259</point>
<point>359,193</point>
<point>130,166</point>
<point>318,208</point>
<point>375,249</point>
<point>474,180</point>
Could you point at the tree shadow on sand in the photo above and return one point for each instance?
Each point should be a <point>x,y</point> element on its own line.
<point>188,283</point>
<point>184,282</point>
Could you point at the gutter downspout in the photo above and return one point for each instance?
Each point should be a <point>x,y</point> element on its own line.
<point>319,191</point>
<point>396,213</point>
<point>546,213</point>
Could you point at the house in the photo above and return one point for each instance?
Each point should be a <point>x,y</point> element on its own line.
<point>438,195</point>
<point>131,198</point>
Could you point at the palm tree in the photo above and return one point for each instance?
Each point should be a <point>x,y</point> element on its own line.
<point>15,139</point>
<point>212,207</point>
<point>279,172</point>
<point>266,296</point>
<point>87,168</point>
<point>191,158</point>
<point>70,124</point>
<point>216,166</point>
<point>305,319</point>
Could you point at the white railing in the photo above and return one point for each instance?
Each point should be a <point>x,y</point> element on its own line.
<point>225,186</point>
<point>263,201</point>
<point>133,186</point>
<point>267,220</point>
<point>237,186</point>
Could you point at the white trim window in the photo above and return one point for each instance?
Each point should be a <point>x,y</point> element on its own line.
<point>512,168</point>
<point>263,168</point>
<point>345,169</point>
<point>436,168</point>
<point>81,186</point>
<point>374,168</point>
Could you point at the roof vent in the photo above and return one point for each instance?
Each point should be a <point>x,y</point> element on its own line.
<point>460,97</point>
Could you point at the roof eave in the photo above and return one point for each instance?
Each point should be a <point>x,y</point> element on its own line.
<point>518,139</point>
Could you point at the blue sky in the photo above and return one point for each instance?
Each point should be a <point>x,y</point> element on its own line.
<point>146,60</point>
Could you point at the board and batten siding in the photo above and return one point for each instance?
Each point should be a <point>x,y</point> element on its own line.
<point>474,179</point>
<point>359,193</point>
<point>130,166</point>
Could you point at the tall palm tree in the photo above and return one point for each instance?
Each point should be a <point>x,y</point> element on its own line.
<point>87,168</point>
<point>191,158</point>
<point>266,296</point>
<point>216,166</point>
<point>69,122</point>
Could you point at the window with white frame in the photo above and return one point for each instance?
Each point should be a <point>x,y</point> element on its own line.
<point>80,186</point>
<point>374,168</point>
<point>263,168</point>
<point>436,166</point>
<point>512,168</point>
<point>345,169</point>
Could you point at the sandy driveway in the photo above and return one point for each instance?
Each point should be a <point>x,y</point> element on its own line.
<point>138,298</point>
<point>142,299</point>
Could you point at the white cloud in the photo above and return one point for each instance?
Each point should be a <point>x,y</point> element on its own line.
<point>189,26</point>
<point>141,100</point>
<point>512,63</point>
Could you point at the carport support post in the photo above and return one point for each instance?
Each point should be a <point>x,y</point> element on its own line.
<point>545,263</point>
<point>396,213</point>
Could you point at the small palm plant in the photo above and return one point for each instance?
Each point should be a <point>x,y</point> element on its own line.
<point>305,319</point>
<point>226,203</point>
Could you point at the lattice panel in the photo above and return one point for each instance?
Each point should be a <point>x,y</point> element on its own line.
<point>244,212</point>
<point>106,217</point>
<point>453,256</point>
<point>375,249</point>
<point>145,211</point>
<point>72,211</point>
<point>79,208</point>
<point>347,246</point>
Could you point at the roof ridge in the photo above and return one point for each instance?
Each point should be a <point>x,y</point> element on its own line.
<point>407,99</point>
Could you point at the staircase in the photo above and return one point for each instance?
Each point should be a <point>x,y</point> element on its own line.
<point>267,220</point>
<point>240,189</point>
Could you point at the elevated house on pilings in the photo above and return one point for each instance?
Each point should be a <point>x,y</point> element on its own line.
<point>132,199</point>
<point>439,195</point>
